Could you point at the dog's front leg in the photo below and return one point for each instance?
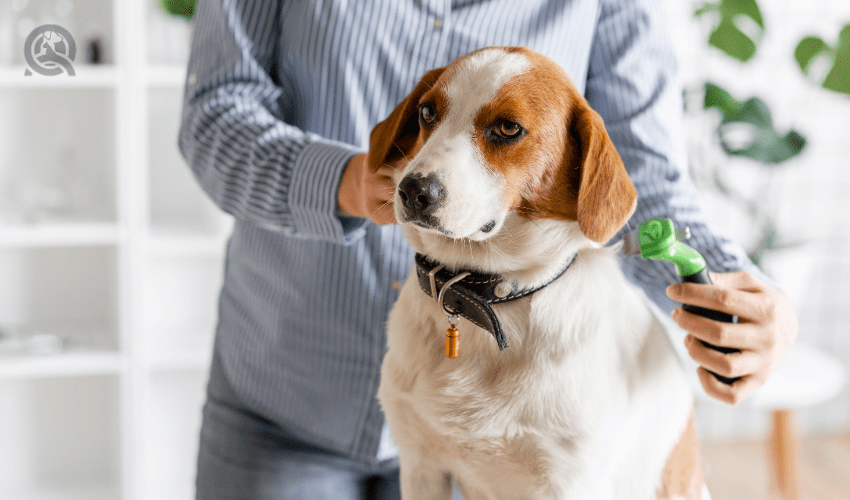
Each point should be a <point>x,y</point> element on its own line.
<point>420,482</point>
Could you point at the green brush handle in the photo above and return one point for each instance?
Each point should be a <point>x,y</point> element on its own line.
<point>658,241</point>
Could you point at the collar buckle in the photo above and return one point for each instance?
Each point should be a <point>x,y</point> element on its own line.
<point>472,295</point>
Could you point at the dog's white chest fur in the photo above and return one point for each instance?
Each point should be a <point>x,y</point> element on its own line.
<point>586,403</point>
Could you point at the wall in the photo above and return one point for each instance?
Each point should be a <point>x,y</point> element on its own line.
<point>808,194</point>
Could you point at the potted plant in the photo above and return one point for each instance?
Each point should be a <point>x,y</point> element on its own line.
<point>742,132</point>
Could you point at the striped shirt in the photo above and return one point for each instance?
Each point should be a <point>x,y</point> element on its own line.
<point>281,94</point>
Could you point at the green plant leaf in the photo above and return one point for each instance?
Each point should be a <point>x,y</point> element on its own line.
<point>716,97</point>
<point>809,48</point>
<point>185,8</point>
<point>739,29</point>
<point>763,143</point>
<point>838,77</point>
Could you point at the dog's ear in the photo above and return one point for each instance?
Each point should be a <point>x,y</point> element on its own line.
<point>395,137</point>
<point>606,195</point>
<point>591,184</point>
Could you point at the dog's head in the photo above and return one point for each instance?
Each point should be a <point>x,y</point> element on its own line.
<point>500,134</point>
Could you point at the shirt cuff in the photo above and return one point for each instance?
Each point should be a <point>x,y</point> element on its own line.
<point>314,193</point>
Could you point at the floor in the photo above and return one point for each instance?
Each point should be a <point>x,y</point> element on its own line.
<point>738,470</point>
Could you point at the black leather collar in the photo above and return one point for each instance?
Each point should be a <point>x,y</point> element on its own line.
<point>473,296</point>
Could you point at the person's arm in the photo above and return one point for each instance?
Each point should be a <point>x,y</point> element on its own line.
<point>632,83</point>
<point>252,163</point>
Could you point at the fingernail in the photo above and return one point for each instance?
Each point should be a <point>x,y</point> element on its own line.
<point>674,290</point>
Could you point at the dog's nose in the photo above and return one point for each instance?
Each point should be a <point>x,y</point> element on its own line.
<point>421,195</point>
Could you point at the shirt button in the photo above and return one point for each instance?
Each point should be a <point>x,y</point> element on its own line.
<point>192,79</point>
<point>396,285</point>
<point>438,23</point>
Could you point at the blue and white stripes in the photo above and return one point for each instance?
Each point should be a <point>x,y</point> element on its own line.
<point>281,94</point>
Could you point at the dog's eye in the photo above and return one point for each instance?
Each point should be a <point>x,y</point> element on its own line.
<point>508,128</point>
<point>504,132</point>
<point>427,113</point>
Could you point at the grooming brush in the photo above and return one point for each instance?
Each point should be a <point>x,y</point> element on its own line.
<point>657,239</point>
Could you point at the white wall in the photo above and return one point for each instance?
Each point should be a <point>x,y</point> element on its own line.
<point>809,195</point>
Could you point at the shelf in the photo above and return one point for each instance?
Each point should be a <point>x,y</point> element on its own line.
<point>181,361</point>
<point>168,36</point>
<point>176,243</point>
<point>180,300</point>
<point>173,424</point>
<point>106,76</point>
<point>71,364</point>
<point>67,292</point>
<point>111,261</point>
<point>87,76</point>
<point>61,438</point>
<point>73,492</point>
<point>166,75</point>
<point>57,234</point>
<point>189,348</point>
<point>58,158</point>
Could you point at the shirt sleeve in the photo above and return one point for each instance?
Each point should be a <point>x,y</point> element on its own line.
<point>633,84</point>
<point>253,164</point>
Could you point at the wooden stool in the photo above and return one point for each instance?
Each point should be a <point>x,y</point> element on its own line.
<point>808,376</point>
<point>783,455</point>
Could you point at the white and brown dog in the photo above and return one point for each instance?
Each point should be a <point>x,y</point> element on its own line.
<point>506,184</point>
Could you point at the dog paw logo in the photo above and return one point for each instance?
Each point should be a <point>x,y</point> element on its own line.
<point>651,231</point>
<point>49,50</point>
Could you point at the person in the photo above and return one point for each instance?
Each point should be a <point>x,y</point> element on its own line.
<point>279,102</point>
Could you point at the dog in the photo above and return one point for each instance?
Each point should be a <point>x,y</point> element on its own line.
<point>564,385</point>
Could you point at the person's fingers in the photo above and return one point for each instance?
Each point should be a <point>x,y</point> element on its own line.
<point>744,304</point>
<point>739,280</point>
<point>739,336</point>
<point>731,394</point>
<point>360,188</point>
<point>766,328</point>
<point>731,365</point>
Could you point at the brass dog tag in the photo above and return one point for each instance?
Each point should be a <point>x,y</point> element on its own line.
<point>452,341</point>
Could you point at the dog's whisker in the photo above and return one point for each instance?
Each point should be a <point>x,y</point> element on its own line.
<point>402,153</point>
<point>510,234</point>
<point>379,208</point>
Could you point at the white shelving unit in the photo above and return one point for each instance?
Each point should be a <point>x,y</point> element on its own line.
<point>111,259</point>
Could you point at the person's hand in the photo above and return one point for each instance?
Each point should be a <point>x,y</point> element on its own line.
<point>363,193</point>
<point>767,325</point>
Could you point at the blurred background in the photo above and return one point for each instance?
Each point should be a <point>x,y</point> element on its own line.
<point>767,112</point>
<point>111,256</point>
